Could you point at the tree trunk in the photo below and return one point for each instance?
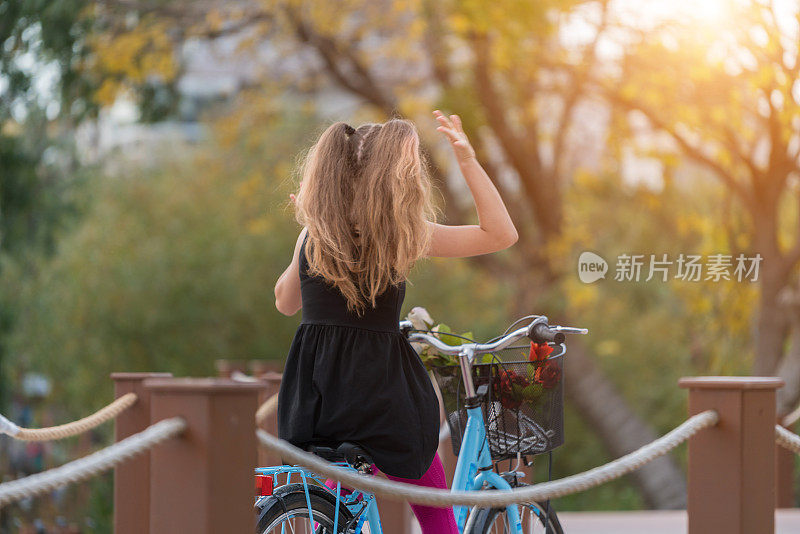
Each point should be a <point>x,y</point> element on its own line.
<point>789,368</point>
<point>661,482</point>
<point>770,338</point>
<point>773,325</point>
<point>789,395</point>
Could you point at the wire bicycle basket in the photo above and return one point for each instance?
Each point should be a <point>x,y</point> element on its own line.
<point>523,408</point>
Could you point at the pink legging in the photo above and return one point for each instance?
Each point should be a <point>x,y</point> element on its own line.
<point>431,519</point>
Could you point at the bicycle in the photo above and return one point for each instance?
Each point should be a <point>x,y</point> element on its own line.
<point>313,507</point>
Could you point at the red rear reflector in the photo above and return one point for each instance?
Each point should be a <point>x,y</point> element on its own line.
<point>264,485</point>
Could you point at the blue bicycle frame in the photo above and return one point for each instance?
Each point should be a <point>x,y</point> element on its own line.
<point>474,465</point>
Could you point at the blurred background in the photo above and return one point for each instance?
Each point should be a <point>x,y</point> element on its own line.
<point>148,148</point>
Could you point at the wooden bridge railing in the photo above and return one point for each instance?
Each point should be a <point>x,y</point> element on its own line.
<point>202,482</point>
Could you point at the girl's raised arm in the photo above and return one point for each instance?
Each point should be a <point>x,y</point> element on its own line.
<point>287,288</point>
<point>495,230</point>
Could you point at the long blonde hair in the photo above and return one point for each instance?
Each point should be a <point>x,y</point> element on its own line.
<point>365,198</point>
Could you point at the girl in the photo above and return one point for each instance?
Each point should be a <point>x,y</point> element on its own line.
<point>351,375</point>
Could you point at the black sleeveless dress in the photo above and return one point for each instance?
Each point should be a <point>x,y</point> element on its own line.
<point>350,378</point>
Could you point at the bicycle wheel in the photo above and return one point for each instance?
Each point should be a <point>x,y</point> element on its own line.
<point>535,520</point>
<point>287,512</point>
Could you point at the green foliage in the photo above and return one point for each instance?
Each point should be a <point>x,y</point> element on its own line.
<point>167,272</point>
<point>101,507</point>
<point>461,295</point>
<point>50,33</point>
<point>38,199</point>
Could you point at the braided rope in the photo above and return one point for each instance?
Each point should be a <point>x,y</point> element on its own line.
<point>92,465</point>
<point>792,417</point>
<point>787,439</point>
<point>538,492</point>
<point>69,429</point>
<point>266,409</point>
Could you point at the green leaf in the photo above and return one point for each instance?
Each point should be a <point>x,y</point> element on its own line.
<point>532,392</point>
<point>518,392</point>
<point>444,330</point>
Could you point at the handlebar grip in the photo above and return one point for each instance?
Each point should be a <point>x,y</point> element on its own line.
<point>541,333</point>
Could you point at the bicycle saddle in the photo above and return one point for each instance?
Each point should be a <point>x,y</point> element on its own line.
<point>352,453</point>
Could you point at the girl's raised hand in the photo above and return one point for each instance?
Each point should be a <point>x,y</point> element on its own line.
<point>454,131</point>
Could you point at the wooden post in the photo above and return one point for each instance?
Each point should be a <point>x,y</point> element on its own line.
<point>271,383</point>
<point>132,478</point>
<point>732,464</point>
<point>784,477</point>
<point>202,481</point>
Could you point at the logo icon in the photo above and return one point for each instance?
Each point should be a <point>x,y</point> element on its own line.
<point>591,267</point>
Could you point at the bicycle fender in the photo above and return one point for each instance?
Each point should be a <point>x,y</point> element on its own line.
<point>280,493</point>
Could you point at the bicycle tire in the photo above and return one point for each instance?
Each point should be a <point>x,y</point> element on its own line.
<point>289,503</point>
<point>486,519</point>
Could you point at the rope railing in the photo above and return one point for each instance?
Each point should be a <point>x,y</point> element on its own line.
<point>538,492</point>
<point>787,439</point>
<point>69,429</point>
<point>792,417</point>
<point>91,465</point>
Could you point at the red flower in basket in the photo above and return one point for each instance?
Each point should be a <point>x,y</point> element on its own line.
<point>504,386</point>
<point>539,351</point>
<point>549,375</point>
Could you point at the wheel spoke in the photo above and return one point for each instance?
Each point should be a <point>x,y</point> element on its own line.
<point>298,522</point>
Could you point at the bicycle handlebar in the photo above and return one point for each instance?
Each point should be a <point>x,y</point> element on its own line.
<point>539,331</point>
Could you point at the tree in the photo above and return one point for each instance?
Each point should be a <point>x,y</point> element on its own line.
<point>39,192</point>
<point>725,93</point>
